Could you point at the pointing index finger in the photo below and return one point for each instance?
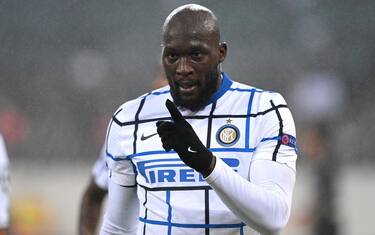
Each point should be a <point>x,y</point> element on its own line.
<point>175,114</point>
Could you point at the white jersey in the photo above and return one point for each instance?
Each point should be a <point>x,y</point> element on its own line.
<point>100,170</point>
<point>240,125</point>
<point>4,184</point>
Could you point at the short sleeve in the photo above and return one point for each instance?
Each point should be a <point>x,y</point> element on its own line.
<point>120,167</point>
<point>276,132</point>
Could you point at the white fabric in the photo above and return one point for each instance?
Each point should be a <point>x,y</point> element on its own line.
<point>100,170</point>
<point>264,202</point>
<point>4,185</point>
<point>175,199</point>
<point>121,216</point>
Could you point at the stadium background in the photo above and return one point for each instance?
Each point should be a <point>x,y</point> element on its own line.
<point>65,66</point>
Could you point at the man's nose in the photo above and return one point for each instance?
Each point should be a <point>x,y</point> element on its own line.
<point>184,67</point>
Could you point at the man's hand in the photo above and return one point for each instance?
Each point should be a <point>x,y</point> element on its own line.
<point>180,136</point>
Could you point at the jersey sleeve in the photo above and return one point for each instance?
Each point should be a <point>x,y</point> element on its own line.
<point>276,132</point>
<point>120,168</point>
<point>264,202</point>
<point>122,210</point>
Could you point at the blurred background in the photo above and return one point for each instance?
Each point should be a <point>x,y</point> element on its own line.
<point>65,66</point>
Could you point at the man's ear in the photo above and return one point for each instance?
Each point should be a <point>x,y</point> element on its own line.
<point>222,51</point>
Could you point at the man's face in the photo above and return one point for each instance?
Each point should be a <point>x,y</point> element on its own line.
<point>191,63</point>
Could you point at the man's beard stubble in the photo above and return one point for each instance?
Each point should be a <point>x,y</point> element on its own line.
<point>199,102</point>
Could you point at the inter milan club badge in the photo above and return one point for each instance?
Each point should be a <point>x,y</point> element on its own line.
<point>228,134</point>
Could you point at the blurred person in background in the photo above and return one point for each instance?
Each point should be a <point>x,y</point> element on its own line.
<point>93,197</point>
<point>97,188</point>
<point>316,145</point>
<point>240,182</point>
<point>4,188</point>
<point>320,115</point>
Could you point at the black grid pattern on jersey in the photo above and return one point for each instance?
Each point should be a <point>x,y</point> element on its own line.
<point>110,127</point>
<point>210,118</point>
<point>214,116</point>
<point>206,191</point>
<point>144,205</point>
<point>280,131</point>
<point>136,119</point>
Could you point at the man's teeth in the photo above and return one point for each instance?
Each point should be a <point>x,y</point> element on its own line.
<point>186,85</point>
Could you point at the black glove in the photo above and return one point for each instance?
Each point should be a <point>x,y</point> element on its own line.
<point>180,136</point>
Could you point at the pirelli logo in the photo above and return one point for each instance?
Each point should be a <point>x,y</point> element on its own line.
<point>174,170</point>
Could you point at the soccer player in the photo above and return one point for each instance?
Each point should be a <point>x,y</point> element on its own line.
<point>204,155</point>
<point>4,190</point>
<point>93,197</point>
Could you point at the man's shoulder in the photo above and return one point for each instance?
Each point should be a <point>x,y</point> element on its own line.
<point>259,92</point>
<point>261,98</point>
<point>128,109</point>
<point>246,87</point>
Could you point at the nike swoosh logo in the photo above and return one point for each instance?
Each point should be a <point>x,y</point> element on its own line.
<point>145,137</point>
<point>191,150</point>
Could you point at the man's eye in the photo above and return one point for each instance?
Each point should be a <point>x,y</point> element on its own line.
<point>196,55</point>
<point>172,57</point>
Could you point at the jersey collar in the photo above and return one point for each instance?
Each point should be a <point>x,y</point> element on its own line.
<point>226,83</point>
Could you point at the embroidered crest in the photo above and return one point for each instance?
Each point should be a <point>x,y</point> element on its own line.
<point>227,135</point>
